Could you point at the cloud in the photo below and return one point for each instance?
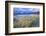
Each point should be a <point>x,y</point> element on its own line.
<point>25,10</point>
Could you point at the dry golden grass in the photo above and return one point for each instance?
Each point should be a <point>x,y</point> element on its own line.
<point>25,21</point>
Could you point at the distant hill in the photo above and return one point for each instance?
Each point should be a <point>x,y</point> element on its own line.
<point>26,13</point>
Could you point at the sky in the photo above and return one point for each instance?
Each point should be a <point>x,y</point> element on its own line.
<point>25,11</point>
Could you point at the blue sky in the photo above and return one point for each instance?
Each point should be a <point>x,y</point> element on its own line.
<point>25,10</point>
